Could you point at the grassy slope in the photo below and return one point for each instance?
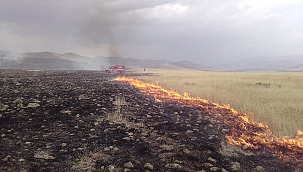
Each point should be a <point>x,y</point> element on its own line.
<point>274,98</point>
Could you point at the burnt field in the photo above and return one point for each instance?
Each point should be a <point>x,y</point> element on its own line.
<point>86,121</point>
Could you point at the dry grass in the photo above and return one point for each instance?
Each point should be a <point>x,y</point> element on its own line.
<point>274,98</point>
<point>118,117</point>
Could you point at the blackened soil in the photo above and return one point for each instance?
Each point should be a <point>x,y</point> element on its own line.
<point>85,121</point>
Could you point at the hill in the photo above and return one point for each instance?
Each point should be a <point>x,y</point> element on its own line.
<point>266,63</point>
<point>72,61</point>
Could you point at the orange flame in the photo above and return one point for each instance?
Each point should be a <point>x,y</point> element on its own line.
<point>243,132</point>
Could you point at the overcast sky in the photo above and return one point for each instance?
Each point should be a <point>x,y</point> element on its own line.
<point>202,31</point>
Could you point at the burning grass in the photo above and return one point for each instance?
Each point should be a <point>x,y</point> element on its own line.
<point>274,98</point>
<point>244,133</point>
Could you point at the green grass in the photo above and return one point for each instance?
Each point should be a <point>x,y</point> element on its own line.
<point>273,98</point>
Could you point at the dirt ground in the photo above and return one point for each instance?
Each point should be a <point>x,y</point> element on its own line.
<point>86,121</point>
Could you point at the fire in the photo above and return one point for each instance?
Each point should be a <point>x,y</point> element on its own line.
<point>244,133</point>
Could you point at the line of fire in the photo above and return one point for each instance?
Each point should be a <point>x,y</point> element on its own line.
<point>243,132</point>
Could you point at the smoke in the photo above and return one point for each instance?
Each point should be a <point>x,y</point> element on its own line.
<point>99,29</point>
<point>112,25</point>
<point>8,57</point>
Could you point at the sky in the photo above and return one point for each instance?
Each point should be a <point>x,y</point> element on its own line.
<point>203,31</point>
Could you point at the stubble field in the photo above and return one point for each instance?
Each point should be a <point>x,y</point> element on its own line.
<point>273,98</point>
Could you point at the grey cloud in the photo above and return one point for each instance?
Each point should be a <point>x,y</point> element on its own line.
<point>200,31</point>
<point>37,17</point>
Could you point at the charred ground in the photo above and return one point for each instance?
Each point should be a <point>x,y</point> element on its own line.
<point>85,121</point>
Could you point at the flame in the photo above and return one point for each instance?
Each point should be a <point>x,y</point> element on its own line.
<point>244,132</point>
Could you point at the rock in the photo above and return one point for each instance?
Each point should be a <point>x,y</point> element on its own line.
<point>179,162</point>
<point>128,165</point>
<point>83,97</point>
<point>186,151</point>
<point>43,155</point>
<point>212,159</point>
<point>126,138</point>
<point>207,165</point>
<point>244,147</point>
<point>233,151</point>
<point>223,170</point>
<point>212,121</point>
<point>68,112</point>
<point>259,168</point>
<point>6,158</point>
<point>111,168</point>
<point>18,104</point>
<point>33,105</point>
<point>1,115</point>
<point>2,135</point>
<point>148,166</point>
<point>21,160</point>
<point>167,147</point>
<point>106,149</point>
<point>211,137</point>
<point>63,144</point>
<point>224,130</point>
<point>214,169</point>
<point>235,166</point>
<point>35,101</point>
<point>3,107</point>
<point>189,131</point>
<point>173,166</point>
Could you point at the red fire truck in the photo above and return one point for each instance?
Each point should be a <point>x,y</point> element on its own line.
<point>115,69</point>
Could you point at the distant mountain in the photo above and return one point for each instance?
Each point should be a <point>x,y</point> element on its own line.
<point>297,68</point>
<point>70,61</point>
<point>183,65</point>
<point>265,63</point>
<point>46,61</point>
<point>190,65</point>
<point>73,55</point>
<point>129,62</point>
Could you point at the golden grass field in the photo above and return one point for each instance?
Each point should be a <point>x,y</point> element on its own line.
<point>273,98</point>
